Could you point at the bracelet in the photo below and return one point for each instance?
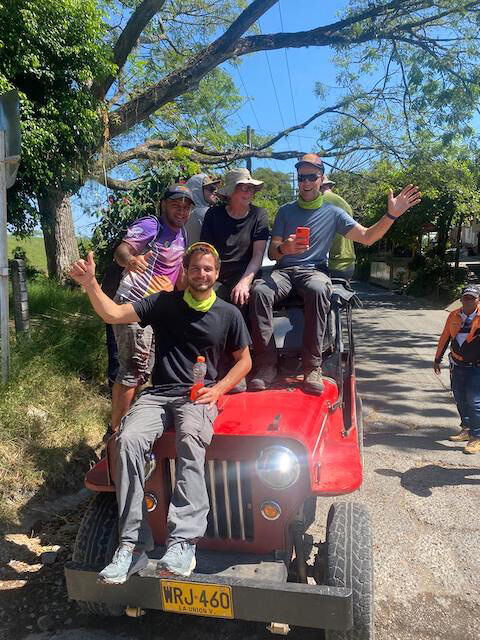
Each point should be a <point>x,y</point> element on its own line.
<point>389,215</point>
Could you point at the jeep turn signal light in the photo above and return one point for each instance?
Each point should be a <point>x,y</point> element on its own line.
<point>270,510</point>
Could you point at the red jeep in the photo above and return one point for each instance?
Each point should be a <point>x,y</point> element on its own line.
<point>273,454</point>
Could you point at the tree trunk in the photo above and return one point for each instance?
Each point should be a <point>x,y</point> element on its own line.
<point>58,233</point>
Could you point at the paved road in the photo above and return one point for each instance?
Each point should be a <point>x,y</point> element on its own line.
<point>422,491</point>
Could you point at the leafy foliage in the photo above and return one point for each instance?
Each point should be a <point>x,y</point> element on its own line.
<point>52,414</point>
<point>50,51</point>
<point>277,190</point>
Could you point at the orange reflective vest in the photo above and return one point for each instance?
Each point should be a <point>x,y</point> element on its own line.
<point>469,351</point>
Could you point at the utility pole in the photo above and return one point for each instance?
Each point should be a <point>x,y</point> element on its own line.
<point>294,184</point>
<point>249,146</point>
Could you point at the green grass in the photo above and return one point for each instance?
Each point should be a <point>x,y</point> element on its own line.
<point>34,248</point>
<point>52,411</point>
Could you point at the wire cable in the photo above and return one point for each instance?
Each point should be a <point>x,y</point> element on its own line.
<point>249,100</point>
<point>288,72</point>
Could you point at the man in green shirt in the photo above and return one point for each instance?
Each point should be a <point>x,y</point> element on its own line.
<point>341,260</point>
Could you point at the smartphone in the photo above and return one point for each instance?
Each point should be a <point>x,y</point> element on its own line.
<point>303,233</point>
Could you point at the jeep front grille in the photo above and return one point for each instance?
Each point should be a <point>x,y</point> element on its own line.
<point>230,498</point>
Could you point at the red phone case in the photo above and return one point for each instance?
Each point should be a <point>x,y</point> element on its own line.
<point>303,233</point>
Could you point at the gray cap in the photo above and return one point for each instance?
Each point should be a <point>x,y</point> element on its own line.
<point>175,191</point>
<point>471,290</point>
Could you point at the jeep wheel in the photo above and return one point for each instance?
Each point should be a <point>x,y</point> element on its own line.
<point>96,541</point>
<point>349,563</point>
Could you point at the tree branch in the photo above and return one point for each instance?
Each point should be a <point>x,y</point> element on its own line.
<point>127,40</point>
<point>231,45</point>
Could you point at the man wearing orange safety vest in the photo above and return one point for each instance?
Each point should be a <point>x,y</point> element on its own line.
<point>462,331</point>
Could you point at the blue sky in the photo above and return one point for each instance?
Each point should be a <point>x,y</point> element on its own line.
<point>254,82</point>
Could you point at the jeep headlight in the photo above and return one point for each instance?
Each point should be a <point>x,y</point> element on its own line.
<point>278,467</point>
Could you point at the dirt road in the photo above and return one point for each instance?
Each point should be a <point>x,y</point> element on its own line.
<point>422,491</point>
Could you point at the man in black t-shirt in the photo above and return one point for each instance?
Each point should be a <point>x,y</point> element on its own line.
<point>186,325</point>
<point>239,232</point>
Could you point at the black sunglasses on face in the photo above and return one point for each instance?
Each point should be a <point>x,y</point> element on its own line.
<point>211,187</point>
<point>311,177</point>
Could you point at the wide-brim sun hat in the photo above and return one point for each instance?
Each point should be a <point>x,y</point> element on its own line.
<point>208,180</point>
<point>238,176</point>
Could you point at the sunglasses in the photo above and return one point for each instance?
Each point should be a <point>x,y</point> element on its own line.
<point>246,187</point>
<point>211,187</point>
<point>311,177</point>
<point>205,245</point>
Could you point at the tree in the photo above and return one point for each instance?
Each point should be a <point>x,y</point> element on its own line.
<point>277,190</point>
<point>91,85</point>
<point>450,183</point>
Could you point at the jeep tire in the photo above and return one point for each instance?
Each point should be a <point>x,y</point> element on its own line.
<point>96,541</point>
<point>349,563</point>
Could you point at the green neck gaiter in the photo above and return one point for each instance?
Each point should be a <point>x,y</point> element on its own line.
<point>314,204</point>
<point>199,305</point>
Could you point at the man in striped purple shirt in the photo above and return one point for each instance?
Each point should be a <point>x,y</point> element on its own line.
<point>151,253</point>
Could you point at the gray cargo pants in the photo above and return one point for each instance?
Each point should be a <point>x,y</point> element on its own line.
<point>189,506</point>
<point>315,287</point>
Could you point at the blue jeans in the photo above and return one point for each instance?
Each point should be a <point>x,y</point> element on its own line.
<point>466,391</point>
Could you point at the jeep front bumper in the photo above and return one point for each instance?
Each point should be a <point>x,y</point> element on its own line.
<point>259,592</point>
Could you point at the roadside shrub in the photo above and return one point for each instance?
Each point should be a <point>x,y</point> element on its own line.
<point>52,410</point>
<point>435,277</point>
<point>362,268</point>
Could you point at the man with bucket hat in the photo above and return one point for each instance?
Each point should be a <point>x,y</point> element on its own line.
<point>239,231</point>
<point>302,266</point>
<point>462,332</point>
<point>151,253</point>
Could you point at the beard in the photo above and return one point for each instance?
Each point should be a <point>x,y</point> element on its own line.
<point>200,286</point>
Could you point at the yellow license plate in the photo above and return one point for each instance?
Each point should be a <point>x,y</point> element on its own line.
<point>197,598</point>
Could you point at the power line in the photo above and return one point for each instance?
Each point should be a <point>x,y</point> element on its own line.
<point>275,89</point>
<point>276,97</point>
<point>288,72</point>
<point>249,100</point>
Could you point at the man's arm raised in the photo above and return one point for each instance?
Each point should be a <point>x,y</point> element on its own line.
<point>83,272</point>
<point>408,197</point>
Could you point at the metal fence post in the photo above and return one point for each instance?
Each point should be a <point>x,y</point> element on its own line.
<point>20,296</point>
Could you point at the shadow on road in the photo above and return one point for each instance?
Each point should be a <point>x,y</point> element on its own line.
<point>403,441</point>
<point>376,297</point>
<point>421,480</point>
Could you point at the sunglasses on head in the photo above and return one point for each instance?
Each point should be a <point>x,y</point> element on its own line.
<point>206,245</point>
<point>311,177</point>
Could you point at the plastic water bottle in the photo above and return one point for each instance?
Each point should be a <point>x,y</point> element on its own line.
<point>199,373</point>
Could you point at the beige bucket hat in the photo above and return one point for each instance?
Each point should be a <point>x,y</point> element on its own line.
<point>238,176</point>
